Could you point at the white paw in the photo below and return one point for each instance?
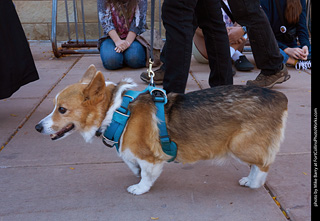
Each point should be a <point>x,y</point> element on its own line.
<point>138,189</point>
<point>245,181</point>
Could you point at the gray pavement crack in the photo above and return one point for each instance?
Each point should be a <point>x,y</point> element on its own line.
<point>194,78</point>
<point>60,165</point>
<point>273,196</point>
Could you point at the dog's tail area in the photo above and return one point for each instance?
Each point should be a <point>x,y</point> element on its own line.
<point>258,143</point>
<point>277,140</point>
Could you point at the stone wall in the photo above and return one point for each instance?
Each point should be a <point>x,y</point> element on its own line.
<point>35,16</point>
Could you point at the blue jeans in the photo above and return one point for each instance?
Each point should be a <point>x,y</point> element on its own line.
<point>285,56</point>
<point>134,56</point>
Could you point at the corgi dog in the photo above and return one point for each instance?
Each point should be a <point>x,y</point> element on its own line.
<point>242,122</point>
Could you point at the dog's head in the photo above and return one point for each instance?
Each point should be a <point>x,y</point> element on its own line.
<point>79,107</point>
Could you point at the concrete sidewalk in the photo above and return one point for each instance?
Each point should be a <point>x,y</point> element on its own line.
<point>71,180</point>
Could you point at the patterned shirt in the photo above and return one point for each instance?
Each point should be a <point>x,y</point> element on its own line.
<point>110,19</point>
<point>225,17</point>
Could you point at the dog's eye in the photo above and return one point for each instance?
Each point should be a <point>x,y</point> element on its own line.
<point>62,110</point>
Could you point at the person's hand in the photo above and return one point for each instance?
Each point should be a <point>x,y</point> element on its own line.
<point>297,53</point>
<point>305,52</point>
<point>235,35</point>
<point>121,46</point>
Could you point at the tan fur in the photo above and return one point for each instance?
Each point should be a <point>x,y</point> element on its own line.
<point>142,133</point>
<point>85,102</point>
<point>246,123</point>
<point>240,129</point>
<point>252,138</point>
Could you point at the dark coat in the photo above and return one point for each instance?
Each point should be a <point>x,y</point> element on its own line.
<point>17,67</point>
<point>269,6</point>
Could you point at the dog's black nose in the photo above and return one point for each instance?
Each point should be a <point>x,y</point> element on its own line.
<point>39,128</point>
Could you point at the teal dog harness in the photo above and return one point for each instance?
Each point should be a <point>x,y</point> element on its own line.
<point>112,135</point>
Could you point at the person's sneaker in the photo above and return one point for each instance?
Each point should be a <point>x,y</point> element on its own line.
<point>157,79</point>
<point>243,64</point>
<point>268,81</point>
<point>304,65</point>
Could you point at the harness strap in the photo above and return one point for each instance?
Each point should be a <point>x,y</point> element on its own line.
<point>112,135</point>
<point>169,147</point>
<point>114,131</point>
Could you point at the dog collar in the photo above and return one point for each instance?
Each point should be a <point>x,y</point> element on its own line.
<point>111,136</point>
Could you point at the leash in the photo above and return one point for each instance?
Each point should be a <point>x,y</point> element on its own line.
<point>151,59</point>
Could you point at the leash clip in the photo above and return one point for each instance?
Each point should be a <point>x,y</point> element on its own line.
<point>150,72</point>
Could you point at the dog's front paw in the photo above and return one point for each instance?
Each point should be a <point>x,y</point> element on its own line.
<point>245,181</point>
<point>138,189</point>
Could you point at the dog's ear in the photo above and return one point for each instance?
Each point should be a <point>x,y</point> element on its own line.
<point>95,91</point>
<point>88,76</point>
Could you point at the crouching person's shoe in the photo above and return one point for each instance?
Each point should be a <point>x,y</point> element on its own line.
<point>243,64</point>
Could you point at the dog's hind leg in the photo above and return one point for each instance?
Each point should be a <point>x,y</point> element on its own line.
<point>149,174</point>
<point>257,177</point>
<point>134,167</point>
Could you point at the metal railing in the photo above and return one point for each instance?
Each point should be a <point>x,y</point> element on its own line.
<point>77,45</point>
<point>81,44</point>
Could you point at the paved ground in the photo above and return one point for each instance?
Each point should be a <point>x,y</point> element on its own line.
<point>71,180</point>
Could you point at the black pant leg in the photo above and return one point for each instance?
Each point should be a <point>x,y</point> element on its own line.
<point>177,16</point>
<point>209,17</point>
<point>263,43</point>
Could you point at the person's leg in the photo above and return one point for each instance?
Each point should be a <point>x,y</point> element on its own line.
<point>135,55</point>
<point>177,16</point>
<point>111,60</point>
<point>199,42</point>
<point>209,18</point>
<point>286,58</point>
<point>162,57</point>
<point>263,43</point>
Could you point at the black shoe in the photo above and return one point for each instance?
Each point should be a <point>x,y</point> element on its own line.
<point>243,64</point>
